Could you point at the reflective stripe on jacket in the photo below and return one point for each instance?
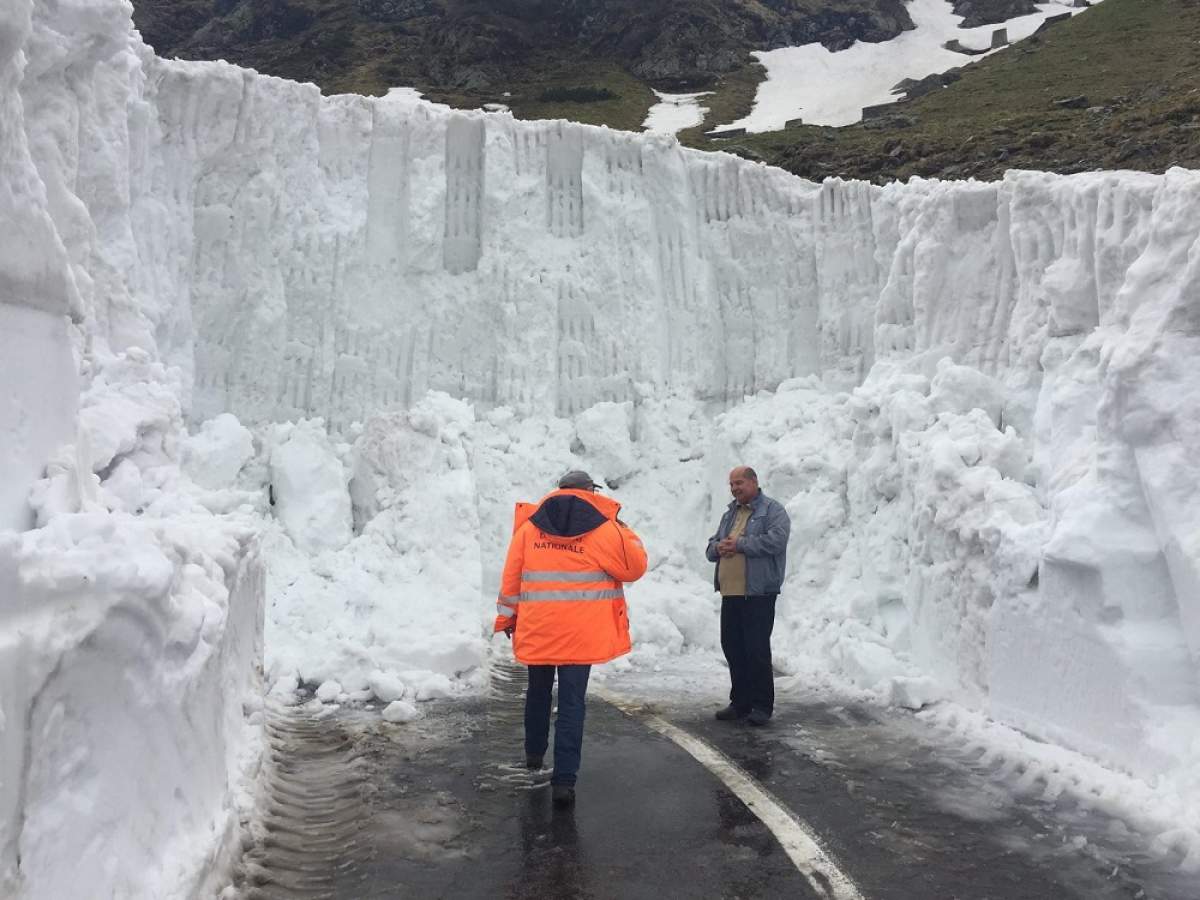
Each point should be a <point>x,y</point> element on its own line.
<point>562,583</point>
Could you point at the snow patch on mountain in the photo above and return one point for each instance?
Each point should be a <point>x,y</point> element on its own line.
<point>825,87</point>
<point>675,112</point>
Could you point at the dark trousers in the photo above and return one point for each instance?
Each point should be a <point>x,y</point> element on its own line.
<point>568,727</point>
<point>746,625</point>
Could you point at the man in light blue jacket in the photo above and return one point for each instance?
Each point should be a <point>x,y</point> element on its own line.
<point>750,550</point>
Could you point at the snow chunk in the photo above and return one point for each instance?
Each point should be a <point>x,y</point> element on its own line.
<point>310,487</point>
<point>329,691</point>
<point>399,711</point>
<point>914,693</point>
<point>215,454</point>
<point>386,687</point>
<point>434,686</point>
<point>604,442</point>
<point>960,389</point>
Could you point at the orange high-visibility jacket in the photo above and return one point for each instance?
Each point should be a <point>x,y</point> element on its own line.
<point>561,587</point>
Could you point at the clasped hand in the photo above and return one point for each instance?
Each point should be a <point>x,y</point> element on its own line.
<point>727,546</point>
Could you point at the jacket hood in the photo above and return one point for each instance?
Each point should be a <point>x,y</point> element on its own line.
<point>571,513</point>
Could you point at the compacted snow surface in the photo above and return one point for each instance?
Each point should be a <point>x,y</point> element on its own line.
<point>273,361</point>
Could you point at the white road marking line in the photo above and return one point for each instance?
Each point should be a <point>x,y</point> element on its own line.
<point>797,839</point>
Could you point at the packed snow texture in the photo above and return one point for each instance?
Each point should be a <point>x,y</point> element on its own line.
<point>131,616</point>
<point>978,401</point>
<point>825,87</point>
<point>36,413</point>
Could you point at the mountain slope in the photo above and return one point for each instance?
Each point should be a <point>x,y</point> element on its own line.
<point>1115,88</point>
<point>481,45</point>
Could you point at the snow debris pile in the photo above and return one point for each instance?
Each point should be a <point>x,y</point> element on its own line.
<point>384,322</point>
<point>396,611</point>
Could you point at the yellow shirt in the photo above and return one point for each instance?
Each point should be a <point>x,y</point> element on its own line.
<point>731,570</point>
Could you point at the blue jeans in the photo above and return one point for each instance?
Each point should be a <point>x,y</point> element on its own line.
<point>568,727</point>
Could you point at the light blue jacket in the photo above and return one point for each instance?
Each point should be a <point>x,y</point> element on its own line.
<point>764,543</point>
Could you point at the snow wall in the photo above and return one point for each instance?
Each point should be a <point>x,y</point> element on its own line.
<point>1003,493</point>
<point>979,403</point>
<point>131,617</point>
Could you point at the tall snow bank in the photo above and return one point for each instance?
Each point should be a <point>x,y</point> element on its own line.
<point>37,292</point>
<point>131,616</point>
<point>130,649</point>
<point>128,657</point>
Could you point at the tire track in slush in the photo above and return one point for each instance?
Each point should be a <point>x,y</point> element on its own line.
<point>311,835</point>
<point>307,837</point>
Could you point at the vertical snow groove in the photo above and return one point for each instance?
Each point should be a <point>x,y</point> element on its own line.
<point>462,241</point>
<point>564,180</point>
<point>388,190</point>
<point>577,342</point>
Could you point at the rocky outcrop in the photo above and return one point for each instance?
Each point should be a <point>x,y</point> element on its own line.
<point>991,12</point>
<point>467,45</point>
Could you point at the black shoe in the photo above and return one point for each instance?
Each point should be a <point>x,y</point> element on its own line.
<point>533,762</point>
<point>563,795</point>
<point>758,718</point>
<point>731,713</point>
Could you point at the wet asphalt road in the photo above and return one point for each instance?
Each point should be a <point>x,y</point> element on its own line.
<point>363,809</point>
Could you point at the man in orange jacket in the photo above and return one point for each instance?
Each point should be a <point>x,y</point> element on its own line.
<point>562,603</point>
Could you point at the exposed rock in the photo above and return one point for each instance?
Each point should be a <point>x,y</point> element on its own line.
<point>893,121</point>
<point>395,10</point>
<point>1052,20</point>
<point>914,88</point>
<point>991,12</point>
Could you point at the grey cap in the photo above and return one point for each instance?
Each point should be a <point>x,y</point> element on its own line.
<point>577,479</point>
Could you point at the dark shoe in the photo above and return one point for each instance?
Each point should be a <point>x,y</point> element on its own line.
<point>758,718</point>
<point>533,762</point>
<point>563,795</point>
<point>731,714</point>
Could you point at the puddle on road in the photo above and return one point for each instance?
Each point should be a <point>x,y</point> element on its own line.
<point>505,719</point>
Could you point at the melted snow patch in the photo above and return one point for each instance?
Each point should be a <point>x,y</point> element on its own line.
<point>675,112</point>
